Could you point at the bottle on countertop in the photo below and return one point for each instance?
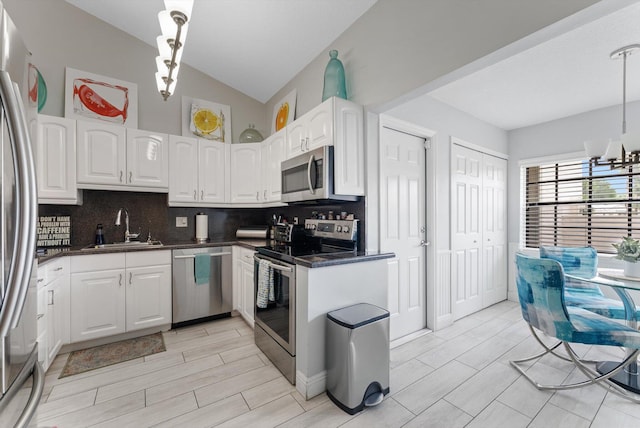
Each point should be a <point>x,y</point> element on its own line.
<point>99,235</point>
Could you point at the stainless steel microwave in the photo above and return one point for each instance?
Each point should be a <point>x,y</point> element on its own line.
<point>309,178</point>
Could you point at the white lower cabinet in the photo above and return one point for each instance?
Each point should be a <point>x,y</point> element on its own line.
<point>116,293</point>
<point>243,288</point>
<point>53,309</point>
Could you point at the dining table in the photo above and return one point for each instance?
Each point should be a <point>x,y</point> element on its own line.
<point>629,377</point>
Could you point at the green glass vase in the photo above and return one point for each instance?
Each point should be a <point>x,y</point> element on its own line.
<point>334,84</point>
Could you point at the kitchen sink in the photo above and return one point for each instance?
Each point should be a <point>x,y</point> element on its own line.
<point>125,245</point>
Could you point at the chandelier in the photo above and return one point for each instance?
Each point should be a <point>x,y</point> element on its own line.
<point>626,151</point>
<point>173,24</point>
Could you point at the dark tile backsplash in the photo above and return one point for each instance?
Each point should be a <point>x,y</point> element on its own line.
<point>149,212</point>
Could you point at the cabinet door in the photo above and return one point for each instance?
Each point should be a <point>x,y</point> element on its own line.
<point>248,292</point>
<point>295,137</point>
<point>212,172</point>
<point>101,157</point>
<point>148,296</point>
<point>319,124</point>
<point>147,159</point>
<point>245,173</point>
<point>273,153</point>
<point>56,160</point>
<point>348,165</point>
<point>58,309</point>
<point>97,304</point>
<point>183,169</point>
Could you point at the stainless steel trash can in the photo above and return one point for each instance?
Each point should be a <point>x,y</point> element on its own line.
<point>357,356</point>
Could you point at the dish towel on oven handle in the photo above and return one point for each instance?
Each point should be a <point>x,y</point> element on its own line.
<point>265,284</point>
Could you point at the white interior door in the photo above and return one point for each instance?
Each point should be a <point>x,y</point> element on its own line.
<point>402,227</point>
<point>466,233</point>
<point>494,230</point>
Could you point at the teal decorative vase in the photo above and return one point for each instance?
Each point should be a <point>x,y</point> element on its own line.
<point>334,84</point>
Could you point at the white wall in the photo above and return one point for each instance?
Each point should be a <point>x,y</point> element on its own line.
<point>61,35</point>
<point>559,137</point>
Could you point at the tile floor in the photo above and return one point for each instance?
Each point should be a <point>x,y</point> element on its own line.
<point>213,375</point>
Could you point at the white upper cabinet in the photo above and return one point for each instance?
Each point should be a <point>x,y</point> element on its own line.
<point>272,154</point>
<point>56,161</point>
<point>111,157</point>
<point>212,172</point>
<point>101,154</point>
<point>336,122</point>
<point>245,173</point>
<point>197,172</point>
<point>312,130</point>
<point>147,159</point>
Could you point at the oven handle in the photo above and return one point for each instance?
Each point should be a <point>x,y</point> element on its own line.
<point>273,265</point>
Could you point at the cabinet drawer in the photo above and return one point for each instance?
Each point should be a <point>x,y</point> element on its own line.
<point>97,262</point>
<point>56,268</point>
<point>148,258</point>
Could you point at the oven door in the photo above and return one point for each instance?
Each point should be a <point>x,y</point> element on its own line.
<point>278,318</point>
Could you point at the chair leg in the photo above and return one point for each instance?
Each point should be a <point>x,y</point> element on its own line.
<point>594,378</point>
<point>607,384</point>
<point>547,350</point>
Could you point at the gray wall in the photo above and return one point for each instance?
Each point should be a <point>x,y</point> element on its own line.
<point>400,45</point>
<point>61,35</point>
<point>448,122</point>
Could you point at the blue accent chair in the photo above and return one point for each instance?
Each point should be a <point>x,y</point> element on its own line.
<point>582,262</point>
<point>541,292</point>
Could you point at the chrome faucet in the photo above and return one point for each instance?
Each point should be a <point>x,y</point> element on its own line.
<point>127,234</point>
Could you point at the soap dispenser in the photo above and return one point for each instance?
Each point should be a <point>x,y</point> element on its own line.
<point>99,236</point>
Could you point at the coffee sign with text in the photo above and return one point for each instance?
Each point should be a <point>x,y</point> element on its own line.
<point>54,231</point>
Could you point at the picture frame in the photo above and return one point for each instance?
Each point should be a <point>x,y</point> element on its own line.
<point>99,98</point>
<point>284,112</point>
<point>206,119</point>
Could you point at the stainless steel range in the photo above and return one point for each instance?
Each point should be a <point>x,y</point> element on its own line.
<point>275,283</point>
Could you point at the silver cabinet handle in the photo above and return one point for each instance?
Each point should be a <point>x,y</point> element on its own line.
<point>302,144</point>
<point>194,195</point>
<point>121,176</point>
<point>120,281</point>
<point>307,140</point>
<point>202,195</point>
<point>424,243</point>
<point>130,176</point>
<point>130,277</point>
<point>39,316</point>
<point>51,296</point>
<point>59,268</point>
<point>265,194</point>
<point>40,280</point>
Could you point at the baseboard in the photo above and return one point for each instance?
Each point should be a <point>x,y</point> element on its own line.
<point>310,387</point>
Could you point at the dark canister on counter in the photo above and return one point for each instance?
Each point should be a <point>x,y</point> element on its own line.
<point>99,235</point>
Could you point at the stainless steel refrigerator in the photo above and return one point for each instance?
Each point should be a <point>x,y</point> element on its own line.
<point>21,376</point>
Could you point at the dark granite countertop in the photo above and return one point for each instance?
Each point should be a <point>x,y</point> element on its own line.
<point>314,261</point>
<point>324,260</point>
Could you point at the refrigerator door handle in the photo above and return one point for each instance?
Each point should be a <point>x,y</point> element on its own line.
<point>34,397</point>
<point>26,202</point>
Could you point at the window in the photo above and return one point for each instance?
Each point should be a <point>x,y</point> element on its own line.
<point>576,203</point>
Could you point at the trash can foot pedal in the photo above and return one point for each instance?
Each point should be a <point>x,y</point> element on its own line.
<point>374,399</point>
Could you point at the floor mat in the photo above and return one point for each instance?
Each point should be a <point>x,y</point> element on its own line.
<point>112,353</point>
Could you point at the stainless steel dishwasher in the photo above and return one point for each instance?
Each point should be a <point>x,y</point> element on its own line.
<point>194,302</point>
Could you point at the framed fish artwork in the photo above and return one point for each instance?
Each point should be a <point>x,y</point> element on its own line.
<point>102,99</point>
